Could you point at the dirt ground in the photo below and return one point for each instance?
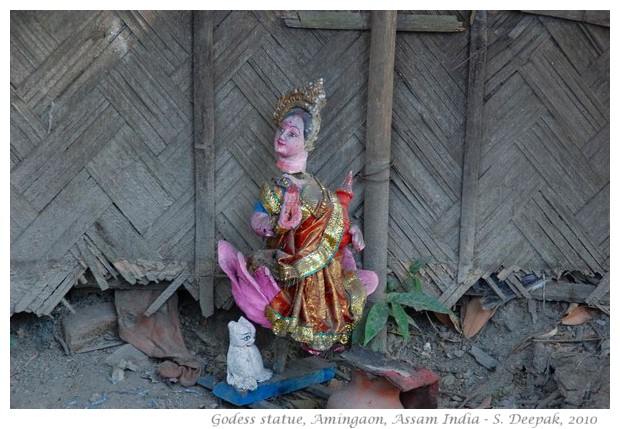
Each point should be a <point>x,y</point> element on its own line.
<point>516,361</point>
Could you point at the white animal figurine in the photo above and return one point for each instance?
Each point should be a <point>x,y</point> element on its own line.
<point>244,363</point>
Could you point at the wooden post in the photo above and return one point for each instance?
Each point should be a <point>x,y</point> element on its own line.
<point>204,155</point>
<point>378,139</point>
<point>347,20</point>
<point>473,143</point>
<point>471,156</point>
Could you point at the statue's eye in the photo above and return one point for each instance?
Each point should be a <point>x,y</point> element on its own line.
<point>247,338</point>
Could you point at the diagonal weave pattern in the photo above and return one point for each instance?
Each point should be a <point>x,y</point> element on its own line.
<point>101,144</point>
<point>102,147</point>
<point>543,189</point>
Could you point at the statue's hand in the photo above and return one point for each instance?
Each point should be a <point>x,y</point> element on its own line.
<point>357,238</point>
<point>260,224</point>
<point>290,214</point>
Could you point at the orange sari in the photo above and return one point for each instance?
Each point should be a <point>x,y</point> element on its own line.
<point>319,303</point>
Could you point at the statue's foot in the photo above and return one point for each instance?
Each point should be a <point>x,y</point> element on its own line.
<point>266,282</point>
<point>250,296</point>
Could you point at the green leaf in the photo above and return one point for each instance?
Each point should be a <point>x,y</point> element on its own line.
<point>377,319</point>
<point>412,323</point>
<point>418,284</point>
<point>410,284</point>
<point>414,268</point>
<point>357,336</point>
<point>419,301</point>
<point>392,284</point>
<point>455,320</point>
<point>400,316</point>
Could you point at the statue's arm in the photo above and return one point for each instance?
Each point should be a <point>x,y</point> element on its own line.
<point>261,222</point>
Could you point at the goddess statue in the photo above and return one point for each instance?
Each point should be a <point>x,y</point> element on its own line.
<point>305,283</point>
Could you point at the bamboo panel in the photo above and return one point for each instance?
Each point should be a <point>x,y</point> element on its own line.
<point>31,43</point>
<point>428,112</point>
<point>597,79</point>
<point>429,77</point>
<point>62,221</point>
<point>59,292</point>
<point>56,142</point>
<point>155,38</point>
<point>537,147</point>
<point>545,138</point>
<point>22,214</point>
<point>447,227</point>
<point>421,156</point>
<point>240,49</point>
<point>102,141</point>
<point>150,94</point>
<point>514,109</point>
<point>60,167</point>
<point>131,186</point>
<point>328,160</point>
<point>511,46</point>
<point>598,17</point>
<point>171,225</point>
<point>596,216</point>
<point>416,232</point>
<point>597,151</point>
<point>570,102</point>
<point>34,281</point>
<point>574,233</point>
<point>74,55</point>
<point>231,112</point>
<point>505,248</point>
<point>27,129</point>
<point>101,135</point>
<point>302,46</point>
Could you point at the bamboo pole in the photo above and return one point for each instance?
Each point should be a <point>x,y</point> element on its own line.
<point>471,158</point>
<point>204,151</point>
<point>377,163</point>
<point>473,143</point>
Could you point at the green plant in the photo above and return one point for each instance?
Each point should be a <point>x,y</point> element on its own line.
<point>407,294</point>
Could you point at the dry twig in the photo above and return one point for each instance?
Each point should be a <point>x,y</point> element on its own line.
<point>26,364</point>
<point>62,344</point>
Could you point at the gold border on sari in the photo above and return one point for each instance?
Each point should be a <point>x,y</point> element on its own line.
<point>270,200</point>
<point>330,241</point>
<point>281,326</point>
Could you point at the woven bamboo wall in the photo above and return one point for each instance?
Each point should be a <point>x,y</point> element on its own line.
<point>102,175</point>
<point>101,151</point>
<point>543,189</point>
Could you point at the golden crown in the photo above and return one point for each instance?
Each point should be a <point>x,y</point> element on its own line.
<point>310,98</point>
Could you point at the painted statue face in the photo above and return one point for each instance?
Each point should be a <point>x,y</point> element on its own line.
<point>289,139</point>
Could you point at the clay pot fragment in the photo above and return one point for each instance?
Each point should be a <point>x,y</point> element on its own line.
<point>366,391</point>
